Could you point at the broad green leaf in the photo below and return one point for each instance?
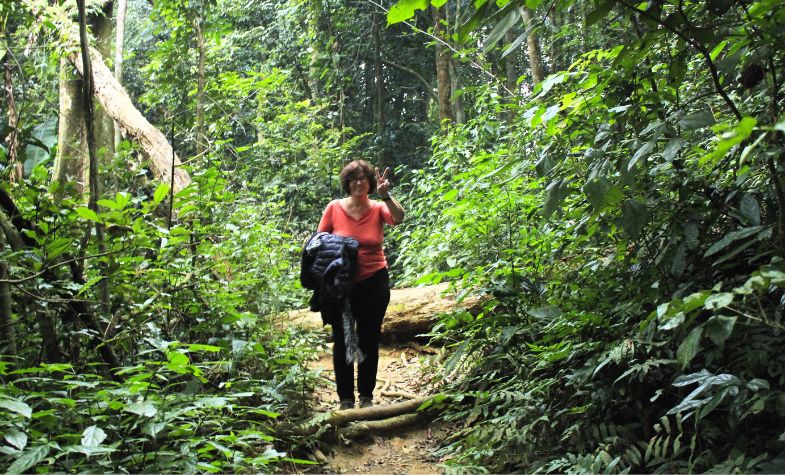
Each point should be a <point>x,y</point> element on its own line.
<point>17,406</point>
<point>728,140</point>
<point>758,384</point>
<point>600,12</point>
<point>153,428</point>
<point>689,347</point>
<point>28,459</point>
<point>161,192</point>
<point>730,237</point>
<point>122,198</point>
<point>93,436</point>
<point>34,156</point>
<point>718,49</point>
<point>144,408</point>
<point>545,313</point>
<point>555,192</point>
<point>16,438</point>
<point>57,247</point>
<point>719,328</point>
<point>634,216</point>
<point>404,10</point>
<point>550,81</point>
<point>87,213</point>
<point>508,21</point>
<point>641,154</point>
<point>750,210</point>
<point>718,301</point>
<point>698,120</point>
<point>595,192</point>
<point>672,148</point>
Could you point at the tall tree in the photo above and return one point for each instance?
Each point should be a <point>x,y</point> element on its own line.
<point>443,84</point>
<point>122,7</point>
<point>533,48</point>
<point>12,139</point>
<point>72,161</point>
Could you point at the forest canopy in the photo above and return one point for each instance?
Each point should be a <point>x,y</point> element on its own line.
<point>606,175</point>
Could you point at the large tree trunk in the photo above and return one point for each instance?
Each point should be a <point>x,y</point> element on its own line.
<point>443,85</point>
<point>533,48</point>
<point>12,139</point>
<point>115,101</point>
<point>72,162</point>
<point>119,47</point>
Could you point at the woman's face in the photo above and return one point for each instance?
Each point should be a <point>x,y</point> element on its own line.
<point>358,184</point>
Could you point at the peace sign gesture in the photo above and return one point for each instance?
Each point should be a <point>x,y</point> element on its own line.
<point>383,184</point>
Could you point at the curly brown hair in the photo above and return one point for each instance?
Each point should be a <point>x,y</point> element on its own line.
<point>350,171</point>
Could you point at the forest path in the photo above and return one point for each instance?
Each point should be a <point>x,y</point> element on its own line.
<point>403,369</point>
<point>406,371</point>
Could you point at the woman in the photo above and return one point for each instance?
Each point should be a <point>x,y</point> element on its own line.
<point>359,217</point>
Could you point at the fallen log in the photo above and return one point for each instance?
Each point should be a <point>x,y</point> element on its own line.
<point>411,312</point>
<point>117,104</point>
<point>337,419</point>
<point>364,428</point>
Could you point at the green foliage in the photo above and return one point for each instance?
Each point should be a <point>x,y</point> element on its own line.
<point>176,408</point>
<point>636,299</point>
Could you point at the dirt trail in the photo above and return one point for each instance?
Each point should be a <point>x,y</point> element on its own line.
<point>403,369</point>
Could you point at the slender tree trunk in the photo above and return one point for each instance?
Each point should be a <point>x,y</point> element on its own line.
<point>533,47</point>
<point>201,141</point>
<point>118,56</point>
<point>443,85</point>
<point>12,139</point>
<point>456,103</point>
<point>7,324</point>
<point>89,125</point>
<point>378,90</point>
<point>510,65</point>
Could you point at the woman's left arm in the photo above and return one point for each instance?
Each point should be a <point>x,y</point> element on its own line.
<point>383,188</point>
<point>396,210</point>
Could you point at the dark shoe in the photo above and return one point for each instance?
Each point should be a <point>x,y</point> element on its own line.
<point>366,401</point>
<point>346,404</point>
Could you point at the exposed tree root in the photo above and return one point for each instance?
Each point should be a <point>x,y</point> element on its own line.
<point>346,416</point>
<point>359,429</point>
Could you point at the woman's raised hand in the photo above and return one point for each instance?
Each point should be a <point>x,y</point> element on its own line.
<point>382,183</point>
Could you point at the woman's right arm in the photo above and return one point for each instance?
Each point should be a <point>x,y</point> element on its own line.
<point>326,223</point>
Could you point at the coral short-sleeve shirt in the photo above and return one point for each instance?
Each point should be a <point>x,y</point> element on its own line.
<point>367,231</point>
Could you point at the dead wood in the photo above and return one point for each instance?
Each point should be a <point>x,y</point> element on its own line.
<point>365,428</point>
<point>343,417</point>
<point>116,102</point>
<point>412,311</point>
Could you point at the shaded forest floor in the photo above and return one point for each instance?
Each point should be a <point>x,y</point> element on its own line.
<point>404,371</point>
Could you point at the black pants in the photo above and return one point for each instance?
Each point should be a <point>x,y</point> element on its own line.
<point>369,301</point>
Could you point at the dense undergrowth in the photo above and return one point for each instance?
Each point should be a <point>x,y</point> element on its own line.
<point>204,368</point>
<point>638,297</point>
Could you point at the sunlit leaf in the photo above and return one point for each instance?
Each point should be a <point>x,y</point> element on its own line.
<point>93,436</point>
